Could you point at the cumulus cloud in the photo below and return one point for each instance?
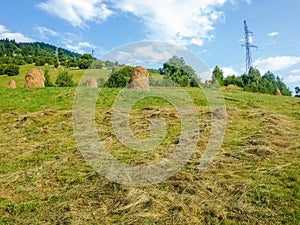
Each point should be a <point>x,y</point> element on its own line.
<point>18,37</point>
<point>295,71</point>
<point>45,32</point>
<point>273,34</point>
<point>248,1</point>
<point>139,54</point>
<point>79,47</point>
<point>229,71</point>
<point>291,79</point>
<point>276,63</point>
<point>77,12</point>
<point>183,22</point>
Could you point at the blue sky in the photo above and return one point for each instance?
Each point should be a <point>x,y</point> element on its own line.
<point>212,29</point>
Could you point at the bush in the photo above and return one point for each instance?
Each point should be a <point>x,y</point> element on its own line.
<point>48,82</point>
<point>101,82</point>
<point>97,65</point>
<point>120,77</point>
<point>12,70</point>
<point>63,63</point>
<point>28,60</point>
<point>64,79</point>
<point>40,62</point>
<point>3,69</point>
<point>56,63</point>
<point>194,82</point>
<point>50,60</point>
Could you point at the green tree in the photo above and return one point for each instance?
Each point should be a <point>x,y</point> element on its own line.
<point>48,82</point>
<point>269,77</point>
<point>12,70</point>
<point>238,81</point>
<point>282,87</point>
<point>179,72</point>
<point>217,76</point>
<point>3,69</point>
<point>86,61</point>
<point>64,79</point>
<point>56,64</point>
<point>252,77</point>
<point>120,77</point>
<point>297,90</point>
<point>97,64</point>
<point>194,82</point>
<point>28,60</point>
<point>40,62</point>
<point>61,55</point>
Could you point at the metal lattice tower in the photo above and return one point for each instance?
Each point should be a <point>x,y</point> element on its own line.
<point>248,47</point>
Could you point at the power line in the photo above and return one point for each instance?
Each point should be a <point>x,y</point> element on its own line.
<point>248,46</point>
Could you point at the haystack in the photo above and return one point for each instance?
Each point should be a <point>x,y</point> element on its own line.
<point>35,78</point>
<point>91,82</point>
<point>139,79</point>
<point>278,92</point>
<point>12,84</point>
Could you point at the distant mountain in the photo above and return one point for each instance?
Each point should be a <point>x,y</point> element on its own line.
<point>11,47</point>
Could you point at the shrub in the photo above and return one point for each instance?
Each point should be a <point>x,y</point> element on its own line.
<point>56,63</point>
<point>2,69</point>
<point>28,60</point>
<point>97,65</point>
<point>40,62</point>
<point>194,82</point>
<point>120,77</point>
<point>48,82</point>
<point>64,79</point>
<point>12,70</point>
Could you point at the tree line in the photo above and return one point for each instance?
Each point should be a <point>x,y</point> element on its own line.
<point>252,81</point>
<point>13,55</point>
<point>176,70</point>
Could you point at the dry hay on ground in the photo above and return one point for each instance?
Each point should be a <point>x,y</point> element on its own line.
<point>139,79</point>
<point>92,82</point>
<point>35,78</point>
<point>12,84</point>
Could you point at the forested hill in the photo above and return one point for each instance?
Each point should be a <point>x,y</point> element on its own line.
<point>11,47</point>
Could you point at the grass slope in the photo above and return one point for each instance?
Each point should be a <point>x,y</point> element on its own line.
<point>45,180</point>
<point>53,73</point>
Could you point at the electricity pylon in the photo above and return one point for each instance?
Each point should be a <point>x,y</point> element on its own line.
<point>248,47</point>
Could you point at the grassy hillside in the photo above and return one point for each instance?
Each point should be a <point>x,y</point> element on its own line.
<point>44,179</point>
<point>20,79</point>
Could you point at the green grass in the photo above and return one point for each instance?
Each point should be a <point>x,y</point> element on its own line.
<point>53,73</point>
<point>44,179</point>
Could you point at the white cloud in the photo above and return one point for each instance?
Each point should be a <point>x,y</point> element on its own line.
<point>18,37</point>
<point>295,71</point>
<point>79,47</point>
<point>273,34</point>
<point>248,1</point>
<point>291,79</point>
<point>3,29</point>
<point>184,22</point>
<point>144,53</point>
<point>276,63</point>
<point>45,32</point>
<point>229,71</point>
<point>77,12</point>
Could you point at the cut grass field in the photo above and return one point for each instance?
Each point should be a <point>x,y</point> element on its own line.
<point>44,179</point>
